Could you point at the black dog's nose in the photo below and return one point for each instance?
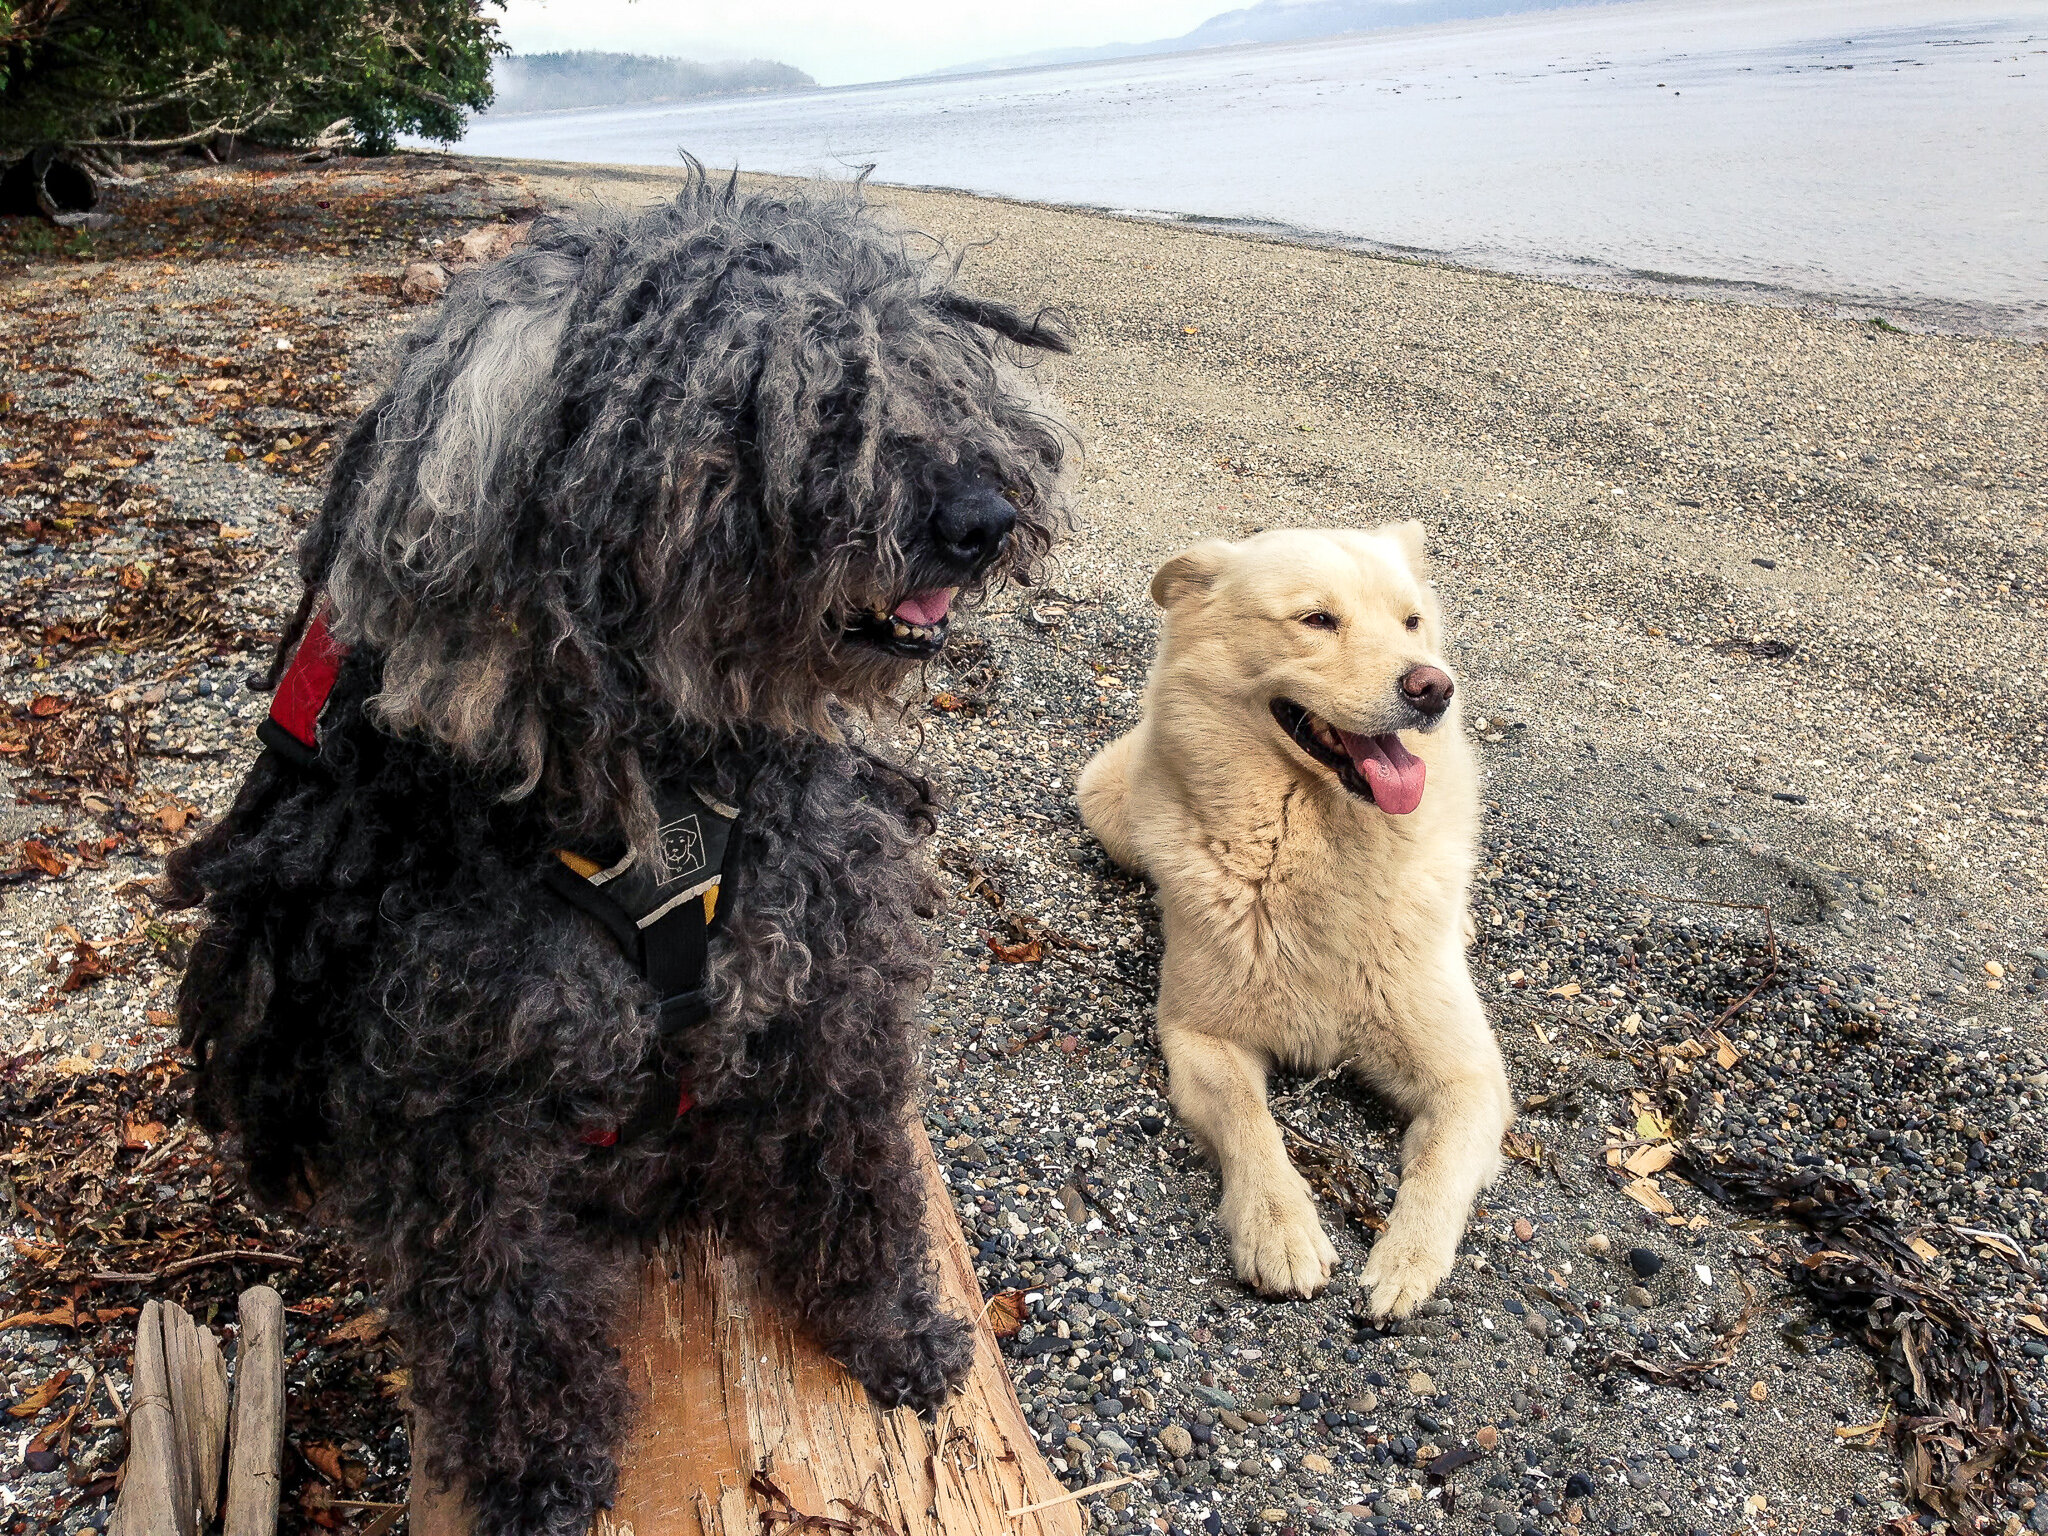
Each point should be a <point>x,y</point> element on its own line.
<point>1428,689</point>
<point>972,527</point>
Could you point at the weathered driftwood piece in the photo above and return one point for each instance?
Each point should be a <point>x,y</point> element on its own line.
<point>199,1405</point>
<point>257,1445</point>
<point>156,1497</point>
<point>746,1428</point>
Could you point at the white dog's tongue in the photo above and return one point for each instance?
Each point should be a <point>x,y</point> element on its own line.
<point>1394,772</point>
<point>925,607</point>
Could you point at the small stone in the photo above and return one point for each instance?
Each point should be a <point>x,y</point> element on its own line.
<point>1524,1229</point>
<point>1234,1422</point>
<point>1598,1245</point>
<point>1578,1486</point>
<point>1176,1441</point>
<point>1639,1298</point>
<point>1215,1397</point>
<point>1319,1465</point>
<point>1644,1262</point>
<point>423,282</point>
<point>1272,1516</point>
<point>1536,1324</point>
<point>1486,1438</point>
<point>1112,1442</point>
<point>1759,1392</point>
<point>1421,1385</point>
<point>1366,1402</point>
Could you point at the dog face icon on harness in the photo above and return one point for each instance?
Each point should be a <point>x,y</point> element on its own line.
<point>682,849</point>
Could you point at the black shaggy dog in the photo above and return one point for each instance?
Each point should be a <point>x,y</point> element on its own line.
<point>656,506</point>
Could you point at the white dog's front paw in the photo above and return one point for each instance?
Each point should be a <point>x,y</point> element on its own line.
<point>1399,1276</point>
<point>1278,1244</point>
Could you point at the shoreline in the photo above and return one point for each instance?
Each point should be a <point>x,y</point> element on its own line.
<point>1919,316</point>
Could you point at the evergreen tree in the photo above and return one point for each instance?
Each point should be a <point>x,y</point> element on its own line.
<point>120,76</point>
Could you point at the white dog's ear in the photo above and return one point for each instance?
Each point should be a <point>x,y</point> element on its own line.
<point>1414,541</point>
<point>1189,572</point>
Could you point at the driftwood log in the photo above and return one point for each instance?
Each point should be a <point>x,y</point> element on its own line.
<point>177,1426</point>
<point>745,1426</point>
<point>256,1446</point>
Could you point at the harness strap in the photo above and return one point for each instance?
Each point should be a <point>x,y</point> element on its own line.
<point>292,728</point>
<point>660,917</point>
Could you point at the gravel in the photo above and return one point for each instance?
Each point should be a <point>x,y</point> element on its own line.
<point>1675,735</point>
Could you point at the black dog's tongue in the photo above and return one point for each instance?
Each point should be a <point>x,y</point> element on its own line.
<point>926,607</point>
<point>1395,773</point>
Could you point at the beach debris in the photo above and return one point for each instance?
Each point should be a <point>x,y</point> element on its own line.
<point>422,282</point>
<point>85,1146</point>
<point>1962,1430</point>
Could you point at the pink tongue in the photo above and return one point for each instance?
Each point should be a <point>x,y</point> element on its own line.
<point>925,607</point>
<point>1394,772</point>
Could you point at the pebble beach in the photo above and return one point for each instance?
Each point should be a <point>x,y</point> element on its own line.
<point>1751,609</point>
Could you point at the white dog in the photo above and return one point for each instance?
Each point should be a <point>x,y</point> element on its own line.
<point>1301,794</point>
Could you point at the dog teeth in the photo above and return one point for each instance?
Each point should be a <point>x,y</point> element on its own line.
<point>902,630</point>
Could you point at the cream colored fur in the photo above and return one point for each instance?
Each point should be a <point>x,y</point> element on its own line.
<point>1304,926</point>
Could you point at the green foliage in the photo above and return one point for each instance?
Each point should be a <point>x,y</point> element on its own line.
<point>142,74</point>
<point>540,82</point>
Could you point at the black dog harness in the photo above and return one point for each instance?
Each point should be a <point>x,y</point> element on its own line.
<point>660,917</point>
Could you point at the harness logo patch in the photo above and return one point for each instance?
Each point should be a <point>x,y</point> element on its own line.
<point>682,849</point>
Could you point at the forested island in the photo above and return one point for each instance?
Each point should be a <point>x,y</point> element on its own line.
<point>546,82</point>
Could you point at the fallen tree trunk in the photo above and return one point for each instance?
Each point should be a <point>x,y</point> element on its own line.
<point>745,1426</point>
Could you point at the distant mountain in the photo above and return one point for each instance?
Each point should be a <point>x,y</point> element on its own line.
<point>1284,21</point>
<point>546,82</point>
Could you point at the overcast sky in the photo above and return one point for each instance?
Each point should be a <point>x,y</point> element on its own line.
<point>838,43</point>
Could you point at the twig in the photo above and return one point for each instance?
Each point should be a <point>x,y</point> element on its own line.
<point>1068,1498</point>
<point>199,1261</point>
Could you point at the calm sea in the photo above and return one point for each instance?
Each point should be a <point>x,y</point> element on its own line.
<point>1884,156</point>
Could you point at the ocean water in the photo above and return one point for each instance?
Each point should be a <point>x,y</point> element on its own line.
<point>1883,156</point>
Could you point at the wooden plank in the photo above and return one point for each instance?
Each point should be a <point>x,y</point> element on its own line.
<point>256,1446</point>
<point>732,1396</point>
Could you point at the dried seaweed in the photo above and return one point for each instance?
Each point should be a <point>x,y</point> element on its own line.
<point>1333,1173</point>
<point>1962,1431</point>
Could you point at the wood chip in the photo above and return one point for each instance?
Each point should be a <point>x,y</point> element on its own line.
<point>1646,1194</point>
<point>1645,1161</point>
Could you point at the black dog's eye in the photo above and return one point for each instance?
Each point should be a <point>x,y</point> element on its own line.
<point>1319,620</point>
<point>1414,621</point>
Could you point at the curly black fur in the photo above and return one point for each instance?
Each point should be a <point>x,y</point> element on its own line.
<point>608,529</point>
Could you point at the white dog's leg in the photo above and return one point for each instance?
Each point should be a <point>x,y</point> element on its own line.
<point>1445,1074</point>
<point>1219,1089</point>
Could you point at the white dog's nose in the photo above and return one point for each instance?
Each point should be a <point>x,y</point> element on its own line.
<point>1429,689</point>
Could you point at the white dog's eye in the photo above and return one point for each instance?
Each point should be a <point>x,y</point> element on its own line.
<point>1414,621</point>
<point>1319,620</point>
